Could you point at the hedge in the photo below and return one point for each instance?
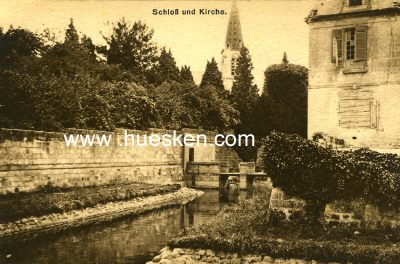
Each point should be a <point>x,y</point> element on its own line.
<point>47,201</point>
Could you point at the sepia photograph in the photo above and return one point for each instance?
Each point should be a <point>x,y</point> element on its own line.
<point>199,131</point>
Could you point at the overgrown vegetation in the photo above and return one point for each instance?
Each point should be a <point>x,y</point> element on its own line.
<point>282,105</point>
<point>50,83</point>
<point>320,175</point>
<point>251,228</point>
<point>50,200</point>
<point>284,99</point>
<point>327,251</point>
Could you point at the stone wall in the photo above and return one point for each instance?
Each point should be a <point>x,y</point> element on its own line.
<point>32,159</point>
<point>285,204</point>
<point>228,158</point>
<point>203,175</point>
<point>353,212</point>
<point>188,256</point>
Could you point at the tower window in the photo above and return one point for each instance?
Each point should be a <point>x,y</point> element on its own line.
<point>233,66</point>
<point>355,2</point>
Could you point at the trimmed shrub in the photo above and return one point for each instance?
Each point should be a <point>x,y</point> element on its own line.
<point>319,175</point>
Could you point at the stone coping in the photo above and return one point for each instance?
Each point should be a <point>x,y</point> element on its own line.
<point>203,163</point>
<point>13,134</point>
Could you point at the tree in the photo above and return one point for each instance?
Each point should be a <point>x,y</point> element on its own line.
<point>284,98</point>
<point>18,43</point>
<point>75,56</point>
<point>54,88</point>
<point>244,97</point>
<point>178,105</point>
<point>130,105</point>
<point>217,112</point>
<point>166,69</point>
<point>131,46</point>
<point>244,92</point>
<point>212,76</point>
<point>71,35</point>
<point>188,106</point>
<point>89,46</point>
<point>48,84</point>
<point>186,74</point>
<point>20,52</point>
<point>285,59</point>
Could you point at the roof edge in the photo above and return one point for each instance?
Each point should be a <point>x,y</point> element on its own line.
<point>314,17</point>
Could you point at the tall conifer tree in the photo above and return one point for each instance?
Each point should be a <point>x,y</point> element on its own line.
<point>71,35</point>
<point>131,46</point>
<point>285,59</point>
<point>244,92</point>
<point>166,70</point>
<point>213,76</point>
<point>244,97</point>
<point>186,74</point>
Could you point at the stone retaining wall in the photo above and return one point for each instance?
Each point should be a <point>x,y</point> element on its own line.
<point>33,159</point>
<point>199,256</point>
<point>354,213</point>
<point>100,213</point>
<point>203,175</point>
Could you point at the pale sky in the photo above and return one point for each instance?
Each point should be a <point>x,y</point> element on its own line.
<point>269,27</point>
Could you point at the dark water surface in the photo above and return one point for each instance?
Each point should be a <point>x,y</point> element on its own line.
<point>128,240</point>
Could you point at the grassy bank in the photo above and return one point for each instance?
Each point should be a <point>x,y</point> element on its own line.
<point>55,200</point>
<point>250,228</point>
<point>326,251</point>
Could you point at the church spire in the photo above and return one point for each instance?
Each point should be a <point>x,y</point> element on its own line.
<point>234,38</point>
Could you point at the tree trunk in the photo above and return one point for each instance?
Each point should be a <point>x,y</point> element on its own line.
<point>315,211</point>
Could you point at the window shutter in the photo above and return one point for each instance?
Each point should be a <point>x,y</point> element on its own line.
<point>374,114</point>
<point>361,43</point>
<point>337,45</point>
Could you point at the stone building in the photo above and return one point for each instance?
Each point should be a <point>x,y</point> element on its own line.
<point>233,44</point>
<point>354,79</point>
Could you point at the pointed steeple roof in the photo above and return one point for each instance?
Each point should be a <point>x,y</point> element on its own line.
<point>234,38</point>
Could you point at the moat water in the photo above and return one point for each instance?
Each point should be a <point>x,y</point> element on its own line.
<point>128,240</point>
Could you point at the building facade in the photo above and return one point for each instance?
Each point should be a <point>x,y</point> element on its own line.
<point>233,44</point>
<point>354,77</point>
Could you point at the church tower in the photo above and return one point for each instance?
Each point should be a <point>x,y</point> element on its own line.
<point>233,44</point>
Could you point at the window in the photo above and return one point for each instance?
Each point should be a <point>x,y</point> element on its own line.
<point>233,66</point>
<point>349,44</point>
<point>191,154</point>
<point>355,2</point>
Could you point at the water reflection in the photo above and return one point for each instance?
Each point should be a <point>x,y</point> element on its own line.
<point>129,240</point>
